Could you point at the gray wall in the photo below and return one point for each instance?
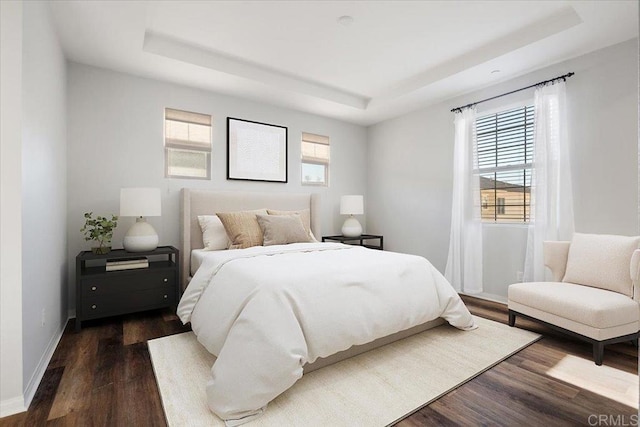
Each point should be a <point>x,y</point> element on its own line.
<point>409,186</point>
<point>34,264</point>
<point>410,157</point>
<point>11,389</point>
<point>44,193</point>
<point>115,124</point>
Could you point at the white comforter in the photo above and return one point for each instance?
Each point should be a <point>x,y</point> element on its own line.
<point>266,311</point>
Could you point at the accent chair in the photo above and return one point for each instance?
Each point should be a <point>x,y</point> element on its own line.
<point>594,294</point>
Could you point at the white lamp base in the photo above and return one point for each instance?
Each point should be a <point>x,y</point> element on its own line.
<point>351,228</point>
<point>141,237</point>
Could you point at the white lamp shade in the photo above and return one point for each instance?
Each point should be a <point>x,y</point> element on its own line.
<point>351,205</point>
<point>140,202</point>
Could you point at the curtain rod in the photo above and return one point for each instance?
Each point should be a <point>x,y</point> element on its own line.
<point>564,77</point>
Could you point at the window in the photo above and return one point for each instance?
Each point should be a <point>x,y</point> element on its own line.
<point>187,144</point>
<point>315,159</point>
<point>505,157</point>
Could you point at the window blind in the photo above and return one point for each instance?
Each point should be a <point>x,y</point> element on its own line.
<point>315,148</point>
<point>316,155</point>
<point>187,142</point>
<point>505,161</point>
<point>185,129</point>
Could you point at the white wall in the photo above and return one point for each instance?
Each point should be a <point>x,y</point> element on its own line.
<point>44,193</point>
<point>409,184</point>
<point>410,178</point>
<point>11,398</point>
<point>115,140</point>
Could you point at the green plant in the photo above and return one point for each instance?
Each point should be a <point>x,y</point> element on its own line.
<point>99,229</point>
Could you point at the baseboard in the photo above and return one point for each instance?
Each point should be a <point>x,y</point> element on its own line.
<point>71,313</point>
<point>15,405</point>
<point>34,382</point>
<point>488,297</point>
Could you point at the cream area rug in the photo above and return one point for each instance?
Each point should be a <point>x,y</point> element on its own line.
<point>375,388</point>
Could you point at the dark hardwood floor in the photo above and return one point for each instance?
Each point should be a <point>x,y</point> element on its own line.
<point>102,376</point>
<point>553,382</point>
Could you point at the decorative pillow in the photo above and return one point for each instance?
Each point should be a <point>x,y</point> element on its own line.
<point>282,229</point>
<point>214,235</point>
<point>305,216</point>
<point>601,261</point>
<point>242,228</point>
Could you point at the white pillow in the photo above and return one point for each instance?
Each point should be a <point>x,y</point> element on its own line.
<point>601,261</point>
<point>214,235</point>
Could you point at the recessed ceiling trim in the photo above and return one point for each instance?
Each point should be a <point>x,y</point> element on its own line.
<point>172,48</point>
<point>562,20</point>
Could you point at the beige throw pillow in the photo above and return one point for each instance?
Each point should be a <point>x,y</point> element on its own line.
<point>214,235</point>
<point>242,228</point>
<point>282,229</point>
<point>601,261</point>
<point>305,217</point>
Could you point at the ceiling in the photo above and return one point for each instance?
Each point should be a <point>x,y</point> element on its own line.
<point>394,57</point>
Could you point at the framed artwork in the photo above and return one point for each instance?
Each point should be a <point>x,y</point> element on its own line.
<point>256,151</point>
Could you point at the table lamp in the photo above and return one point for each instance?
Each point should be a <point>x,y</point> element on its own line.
<point>351,205</point>
<point>140,202</point>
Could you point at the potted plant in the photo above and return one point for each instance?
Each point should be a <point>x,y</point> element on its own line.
<point>100,230</point>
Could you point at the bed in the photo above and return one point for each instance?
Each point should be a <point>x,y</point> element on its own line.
<point>263,311</point>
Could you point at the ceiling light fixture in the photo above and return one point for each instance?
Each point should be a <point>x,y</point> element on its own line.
<point>345,20</point>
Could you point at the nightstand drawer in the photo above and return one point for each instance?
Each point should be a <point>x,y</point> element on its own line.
<point>95,306</point>
<point>123,283</point>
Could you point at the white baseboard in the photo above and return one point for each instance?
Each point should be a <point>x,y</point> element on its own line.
<point>15,405</point>
<point>34,382</point>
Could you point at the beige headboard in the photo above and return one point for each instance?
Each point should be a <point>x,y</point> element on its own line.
<point>206,202</point>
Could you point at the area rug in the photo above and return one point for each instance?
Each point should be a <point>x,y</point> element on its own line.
<point>376,388</point>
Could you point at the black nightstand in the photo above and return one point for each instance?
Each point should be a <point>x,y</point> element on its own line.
<point>360,240</point>
<point>101,293</point>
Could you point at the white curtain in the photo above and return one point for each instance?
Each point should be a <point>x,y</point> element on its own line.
<point>464,264</point>
<point>551,193</point>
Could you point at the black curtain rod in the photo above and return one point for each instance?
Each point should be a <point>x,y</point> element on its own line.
<point>564,77</point>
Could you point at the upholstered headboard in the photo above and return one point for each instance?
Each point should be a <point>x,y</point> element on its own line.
<point>206,202</point>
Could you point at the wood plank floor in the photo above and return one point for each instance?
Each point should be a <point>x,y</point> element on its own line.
<point>102,376</point>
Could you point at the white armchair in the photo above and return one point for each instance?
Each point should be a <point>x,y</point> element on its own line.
<point>594,295</point>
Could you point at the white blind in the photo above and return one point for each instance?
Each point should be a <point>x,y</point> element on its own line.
<point>315,148</point>
<point>187,130</point>
<point>187,144</point>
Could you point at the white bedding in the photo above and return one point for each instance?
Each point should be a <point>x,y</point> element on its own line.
<point>267,311</point>
<point>197,257</point>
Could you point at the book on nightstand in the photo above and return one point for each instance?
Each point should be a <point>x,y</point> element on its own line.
<point>126,263</point>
